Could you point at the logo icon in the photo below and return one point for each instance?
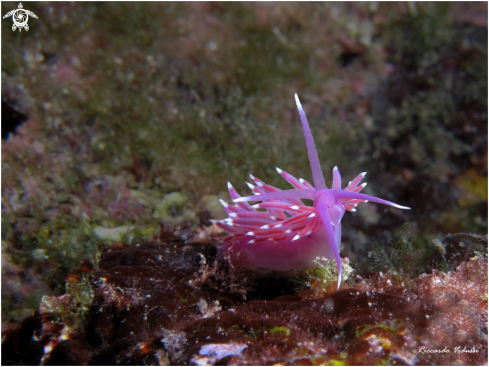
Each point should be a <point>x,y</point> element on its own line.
<point>20,17</point>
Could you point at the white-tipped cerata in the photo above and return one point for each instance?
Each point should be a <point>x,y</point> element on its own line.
<point>279,170</point>
<point>223,203</point>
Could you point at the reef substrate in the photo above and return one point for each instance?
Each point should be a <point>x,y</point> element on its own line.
<point>168,301</point>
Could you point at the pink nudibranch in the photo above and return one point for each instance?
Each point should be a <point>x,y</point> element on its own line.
<point>289,234</point>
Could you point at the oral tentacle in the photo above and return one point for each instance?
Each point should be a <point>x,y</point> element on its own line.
<point>341,194</point>
<point>322,207</point>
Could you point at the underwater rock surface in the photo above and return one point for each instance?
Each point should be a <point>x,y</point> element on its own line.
<point>160,303</point>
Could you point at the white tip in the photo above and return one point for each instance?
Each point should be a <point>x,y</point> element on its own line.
<point>349,183</point>
<point>335,168</point>
<point>400,206</point>
<point>252,241</point>
<point>250,234</point>
<point>296,237</point>
<point>312,215</point>
<point>229,222</point>
<point>295,207</point>
<point>238,200</point>
<point>233,215</point>
<point>363,174</point>
<point>224,204</point>
<point>353,210</point>
<point>279,170</point>
<point>252,177</point>
<point>250,185</point>
<point>213,221</point>
<point>266,226</point>
<point>273,217</point>
<point>278,225</point>
<point>260,184</point>
<point>256,206</point>
<point>298,103</point>
<point>366,201</point>
<point>229,185</point>
<point>288,231</point>
<point>301,180</point>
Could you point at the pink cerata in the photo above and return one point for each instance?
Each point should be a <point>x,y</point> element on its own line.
<point>287,234</point>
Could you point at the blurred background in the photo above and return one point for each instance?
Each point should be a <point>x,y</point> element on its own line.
<point>119,116</point>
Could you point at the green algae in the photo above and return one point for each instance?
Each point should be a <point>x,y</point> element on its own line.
<point>73,308</point>
<point>403,256</point>
<point>280,329</point>
<point>362,329</point>
<point>67,243</point>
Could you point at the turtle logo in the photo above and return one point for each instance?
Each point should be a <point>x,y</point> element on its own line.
<point>20,17</point>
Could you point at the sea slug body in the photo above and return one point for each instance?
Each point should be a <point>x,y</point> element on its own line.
<point>283,233</point>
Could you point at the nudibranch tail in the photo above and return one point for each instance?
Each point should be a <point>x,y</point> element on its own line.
<point>282,232</point>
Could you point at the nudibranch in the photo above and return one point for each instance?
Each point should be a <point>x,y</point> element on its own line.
<point>283,233</point>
